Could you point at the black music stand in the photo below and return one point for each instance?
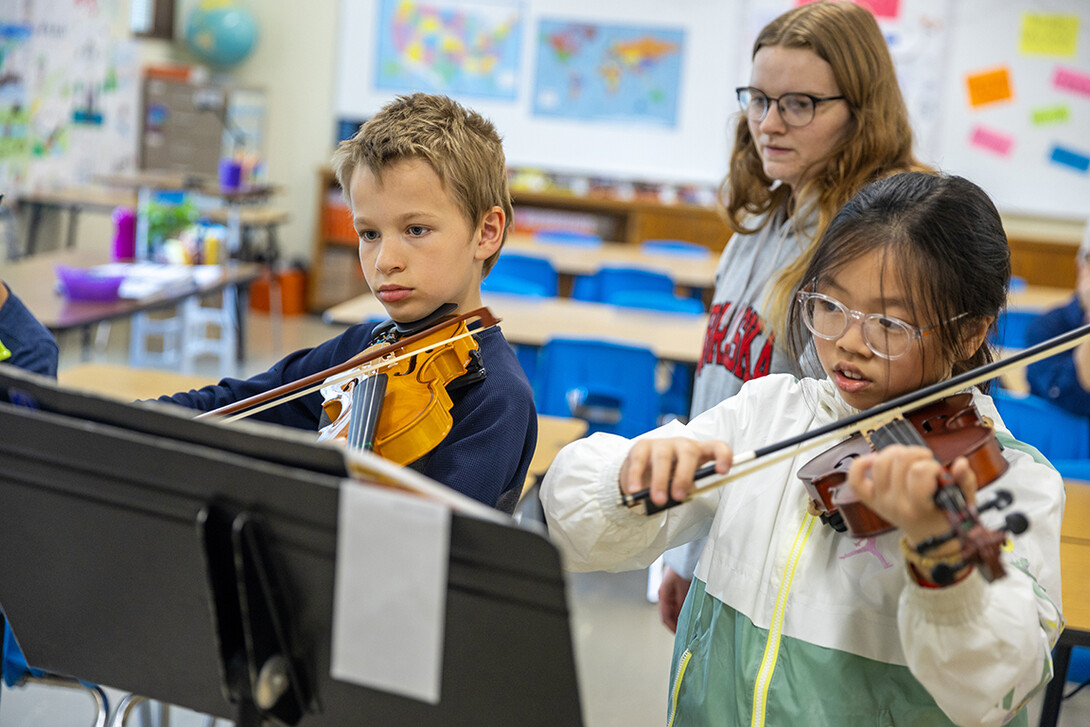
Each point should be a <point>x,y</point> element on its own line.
<point>193,563</point>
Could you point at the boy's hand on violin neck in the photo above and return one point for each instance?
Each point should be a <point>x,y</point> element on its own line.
<point>899,483</point>
<point>666,466</point>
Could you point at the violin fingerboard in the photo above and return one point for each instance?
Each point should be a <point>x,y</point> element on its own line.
<point>898,431</point>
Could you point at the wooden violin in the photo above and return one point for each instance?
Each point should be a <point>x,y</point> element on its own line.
<point>399,407</point>
<point>744,463</point>
<point>404,408</point>
<point>950,428</point>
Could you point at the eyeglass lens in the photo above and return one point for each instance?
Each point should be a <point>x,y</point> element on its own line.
<point>796,109</point>
<point>883,335</point>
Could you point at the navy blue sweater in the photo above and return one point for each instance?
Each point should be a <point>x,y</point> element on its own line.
<point>32,347</point>
<point>1054,378</point>
<point>486,453</point>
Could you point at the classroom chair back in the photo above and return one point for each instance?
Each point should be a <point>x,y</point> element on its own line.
<point>16,673</point>
<point>522,275</point>
<point>609,385</point>
<point>568,237</point>
<point>675,247</point>
<point>1058,434</point>
<point>1010,328</point>
<point>610,280</point>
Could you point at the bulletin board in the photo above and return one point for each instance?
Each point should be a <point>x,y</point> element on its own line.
<point>68,92</point>
<point>1029,146</point>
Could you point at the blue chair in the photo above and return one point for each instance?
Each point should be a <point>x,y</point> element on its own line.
<point>676,401</point>
<point>1056,433</point>
<point>568,237</point>
<point>538,275</point>
<point>513,285</point>
<point>609,385</point>
<point>610,280</point>
<point>16,673</point>
<point>656,301</point>
<point>676,247</point>
<point>1011,328</point>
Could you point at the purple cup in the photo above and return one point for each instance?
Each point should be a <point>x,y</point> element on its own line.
<point>230,173</point>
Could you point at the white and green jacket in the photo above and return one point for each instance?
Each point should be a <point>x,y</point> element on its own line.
<point>791,623</point>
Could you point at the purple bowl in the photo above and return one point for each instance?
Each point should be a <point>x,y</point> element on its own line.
<point>82,284</point>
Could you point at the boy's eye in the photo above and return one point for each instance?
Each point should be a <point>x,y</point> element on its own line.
<point>416,230</point>
<point>368,235</point>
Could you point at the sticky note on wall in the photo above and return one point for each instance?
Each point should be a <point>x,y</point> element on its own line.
<point>1049,35</point>
<point>878,8</point>
<point>992,141</point>
<point>1067,157</point>
<point>989,86</point>
<point>1068,79</point>
<point>1056,114</point>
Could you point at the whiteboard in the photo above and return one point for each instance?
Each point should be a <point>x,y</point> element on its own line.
<point>1007,146</point>
<point>935,45</point>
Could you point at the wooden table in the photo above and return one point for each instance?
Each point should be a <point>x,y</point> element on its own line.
<point>553,434</point>
<point>34,281</point>
<point>686,271</point>
<point>529,321</point>
<point>1075,575</point>
<point>126,383</point>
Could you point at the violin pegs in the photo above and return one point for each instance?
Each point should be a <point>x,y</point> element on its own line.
<point>1016,523</point>
<point>944,573</point>
<point>1002,499</point>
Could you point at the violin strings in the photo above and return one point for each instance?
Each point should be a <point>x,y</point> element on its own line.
<point>341,377</point>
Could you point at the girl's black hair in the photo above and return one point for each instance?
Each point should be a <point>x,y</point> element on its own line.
<point>947,242</point>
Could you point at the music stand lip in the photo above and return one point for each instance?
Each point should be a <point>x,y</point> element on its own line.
<point>108,494</point>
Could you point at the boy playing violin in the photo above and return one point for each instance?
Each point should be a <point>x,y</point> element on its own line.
<point>427,183</point>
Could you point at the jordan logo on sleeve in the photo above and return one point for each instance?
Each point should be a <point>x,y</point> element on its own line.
<point>731,346</point>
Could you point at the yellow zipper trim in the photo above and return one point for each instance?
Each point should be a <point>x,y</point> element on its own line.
<point>775,630</point>
<point>677,686</point>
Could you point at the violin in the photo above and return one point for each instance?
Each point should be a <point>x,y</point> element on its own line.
<point>399,406</point>
<point>950,428</point>
<point>744,463</point>
<point>399,384</point>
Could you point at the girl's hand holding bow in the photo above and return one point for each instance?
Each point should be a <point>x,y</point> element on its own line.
<point>666,466</point>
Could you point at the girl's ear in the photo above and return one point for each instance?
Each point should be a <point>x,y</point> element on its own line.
<point>975,331</point>
<point>491,233</point>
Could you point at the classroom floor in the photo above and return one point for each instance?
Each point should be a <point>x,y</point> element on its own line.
<point>622,651</point>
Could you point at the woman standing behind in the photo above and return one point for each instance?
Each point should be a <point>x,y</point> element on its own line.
<point>822,115</point>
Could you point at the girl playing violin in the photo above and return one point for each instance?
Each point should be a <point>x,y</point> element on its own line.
<point>789,621</point>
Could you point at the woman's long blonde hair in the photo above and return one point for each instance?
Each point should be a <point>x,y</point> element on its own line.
<point>878,141</point>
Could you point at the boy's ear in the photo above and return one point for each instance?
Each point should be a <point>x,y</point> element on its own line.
<point>491,233</point>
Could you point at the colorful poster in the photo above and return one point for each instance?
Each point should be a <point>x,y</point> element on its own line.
<point>444,46</point>
<point>69,92</point>
<point>608,73</point>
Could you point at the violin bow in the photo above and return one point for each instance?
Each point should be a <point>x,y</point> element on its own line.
<point>864,421</point>
<point>349,368</point>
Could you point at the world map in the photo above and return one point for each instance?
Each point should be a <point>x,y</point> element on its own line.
<point>601,72</point>
<point>463,49</point>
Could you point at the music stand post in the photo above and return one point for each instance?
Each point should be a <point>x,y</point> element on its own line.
<point>193,563</point>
